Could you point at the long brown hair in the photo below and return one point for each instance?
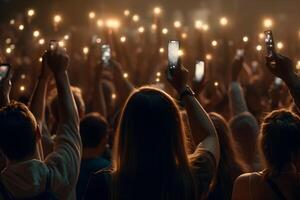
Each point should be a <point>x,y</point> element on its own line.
<point>150,158</point>
<point>230,165</point>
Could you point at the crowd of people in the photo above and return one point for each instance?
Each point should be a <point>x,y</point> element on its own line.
<point>79,128</point>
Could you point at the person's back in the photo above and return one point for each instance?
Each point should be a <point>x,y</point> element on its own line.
<point>94,136</point>
<point>27,173</point>
<point>150,159</point>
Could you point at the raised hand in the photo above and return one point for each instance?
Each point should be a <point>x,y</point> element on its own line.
<point>58,61</point>
<point>179,79</point>
<point>236,68</point>
<point>280,66</point>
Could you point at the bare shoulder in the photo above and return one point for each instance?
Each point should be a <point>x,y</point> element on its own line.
<point>242,185</point>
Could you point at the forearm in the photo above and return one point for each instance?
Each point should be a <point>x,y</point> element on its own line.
<point>123,87</point>
<point>67,107</point>
<point>99,101</point>
<point>38,100</point>
<point>4,100</point>
<point>236,99</point>
<point>293,83</point>
<point>201,125</point>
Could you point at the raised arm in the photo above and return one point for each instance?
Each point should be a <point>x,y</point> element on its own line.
<point>236,94</point>
<point>38,99</point>
<point>5,87</point>
<point>203,130</point>
<point>283,68</point>
<point>65,159</point>
<point>98,103</point>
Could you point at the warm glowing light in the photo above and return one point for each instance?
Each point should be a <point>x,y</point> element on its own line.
<point>245,39</point>
<point>8,40</point>
<point>123,39</point>
<point>61,44</point>
<point>280,45</point>
<point>126,13</point>
<point>23,76</point>
<point>85,50</point>
<point>98,40</point>
<point>198,24</point>
<point>208,57</point>
<point>216,84</point>
<point>41,41</point>
<point>36,33</point>
<point>12,46</point>
<point>40,59</point>
<point>113,96</point>
<point>258,48</point>
<point>177,24</point>
<point>112,23</point>
<point>21,27</point>
<point>100,23</point>
<point>298,65</point>
<point>66,37</point>
<point>268,23</point>
<point>181,53</point>
<point>157,80</point>
<point>165,31</point>
<point>158,74</point>
<point>141,29</point>
<point>57,19</point>
<point>12,22</point>
<point>8,50</point>
<point>30,12</point>
<point>153,27</point>
<point>261,36</point>
<point>223,21</point>
<point>214,43</point>
<point>125,75</point>
<point>157,10</point>
<point>135,18</point>
<point>22,88</point>
<point>92,15</point>
<point>161,50</point>
<point>205,27</point>
<point>184,35</point>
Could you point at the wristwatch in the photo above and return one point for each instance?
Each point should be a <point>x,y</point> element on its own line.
<point>187,92</point>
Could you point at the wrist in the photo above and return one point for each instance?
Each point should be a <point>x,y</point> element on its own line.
<point>186,92</point>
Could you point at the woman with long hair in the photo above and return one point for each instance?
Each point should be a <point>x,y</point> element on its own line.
<point>231,164</point>
<point>150,159</point>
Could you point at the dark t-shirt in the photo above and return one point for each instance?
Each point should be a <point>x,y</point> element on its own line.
<point>203,166</point>
<point>87,168</point>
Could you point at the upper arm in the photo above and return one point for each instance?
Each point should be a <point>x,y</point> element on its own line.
<point>211,144</point>
<point>66,156</point>
<point>241,188</point>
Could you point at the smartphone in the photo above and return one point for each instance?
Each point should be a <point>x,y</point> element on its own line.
<point>4,71</point>
<point>173,54</point>
<point>239,53</point>
<point>53,45</point>
<point>199,71</point>
<point>270,44</point>
<point>106,54</point>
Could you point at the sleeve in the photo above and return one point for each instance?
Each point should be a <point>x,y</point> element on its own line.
<point>236,98</point>
<point>98,186</point>
<point>64,161</point>
<point>204,168</point>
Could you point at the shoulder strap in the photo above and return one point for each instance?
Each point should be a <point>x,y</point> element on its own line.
<point>275,189</point>
<point>6,194</point>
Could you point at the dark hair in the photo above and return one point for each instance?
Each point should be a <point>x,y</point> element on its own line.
<point>150,156</point>
<point>279,139</point>
<point>230,165</point>
<point>93,128</point>
<point>18,131</point>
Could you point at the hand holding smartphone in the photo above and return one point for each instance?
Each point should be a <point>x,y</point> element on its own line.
<point>106,54</point>
<point>173,55</point>
<point>270,44</point>
<point>199,71</point>
<point>4,71</point>
<point>53,45</point>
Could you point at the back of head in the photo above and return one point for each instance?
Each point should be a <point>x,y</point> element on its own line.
<point>280,139</point>
<point>149,149</point>
<point>18,131</point>
<point>93,128</point>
